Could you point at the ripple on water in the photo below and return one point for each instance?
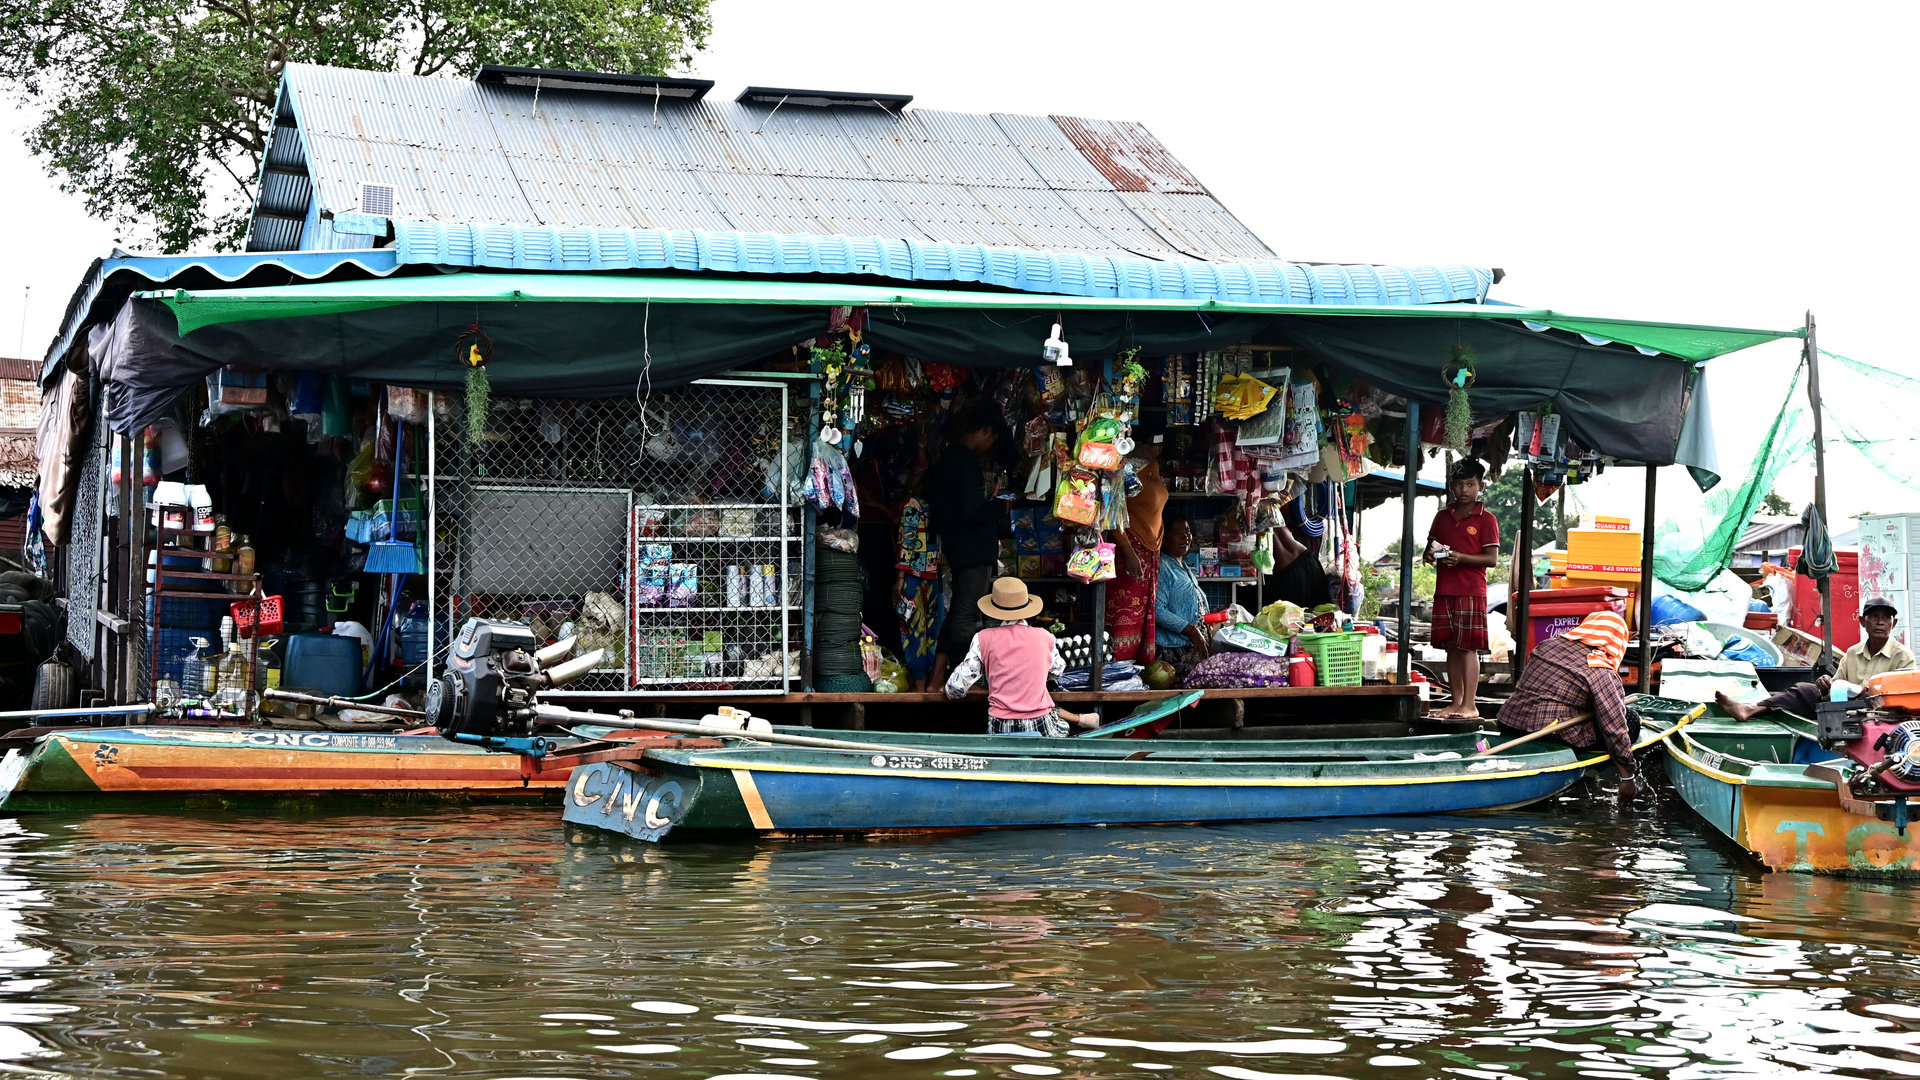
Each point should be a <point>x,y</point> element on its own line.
<point>1627,943</point>
<point>841,1025</point>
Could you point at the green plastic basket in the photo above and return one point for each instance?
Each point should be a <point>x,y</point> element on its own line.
<point>1336,656</point>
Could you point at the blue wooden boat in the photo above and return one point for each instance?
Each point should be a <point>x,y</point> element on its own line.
<point>921,783</point>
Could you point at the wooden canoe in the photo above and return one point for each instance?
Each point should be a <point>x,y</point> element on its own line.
<point>1760,783</point>
<point>170,768</point>
<point>977,782</point>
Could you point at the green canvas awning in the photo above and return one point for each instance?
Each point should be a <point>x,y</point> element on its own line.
<point>194,309</point>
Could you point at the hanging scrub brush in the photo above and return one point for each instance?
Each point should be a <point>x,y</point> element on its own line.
<point>1459,374</point>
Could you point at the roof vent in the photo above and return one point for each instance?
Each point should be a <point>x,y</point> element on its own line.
<point>821,99</point>
<point>376,199</point>
<point>650,86</point>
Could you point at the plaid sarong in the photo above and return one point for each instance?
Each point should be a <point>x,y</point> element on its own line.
<point>1460,622</point>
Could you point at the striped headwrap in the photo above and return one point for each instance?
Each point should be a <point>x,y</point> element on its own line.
<point>1606,631</point>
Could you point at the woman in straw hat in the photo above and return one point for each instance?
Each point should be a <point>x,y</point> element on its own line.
<point>1016,660</point>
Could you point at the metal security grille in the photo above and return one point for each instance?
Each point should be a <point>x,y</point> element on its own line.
<point>663,533</point>
<point>84,559</point>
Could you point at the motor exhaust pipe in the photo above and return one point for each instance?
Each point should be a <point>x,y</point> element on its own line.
<point>555,652</point>
<point>562,674</point>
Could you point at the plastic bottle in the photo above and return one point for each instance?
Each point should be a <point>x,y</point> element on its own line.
<point>233,675</point>
<point>359,632</point>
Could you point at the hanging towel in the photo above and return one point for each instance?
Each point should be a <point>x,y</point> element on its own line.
<point>1816,554</point>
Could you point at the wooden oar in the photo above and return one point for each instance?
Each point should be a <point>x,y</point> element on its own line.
<point>1530,736</point>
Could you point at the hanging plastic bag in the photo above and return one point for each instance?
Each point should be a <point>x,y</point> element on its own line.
<point>1077,498</point>
<point>1090,564</point>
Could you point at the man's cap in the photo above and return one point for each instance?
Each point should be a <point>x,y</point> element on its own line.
<point>1872,602</point>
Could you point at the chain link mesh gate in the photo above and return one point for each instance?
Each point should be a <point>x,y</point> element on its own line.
<point>656,532</point>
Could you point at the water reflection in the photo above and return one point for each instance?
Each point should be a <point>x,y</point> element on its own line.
<point>1581,940</point>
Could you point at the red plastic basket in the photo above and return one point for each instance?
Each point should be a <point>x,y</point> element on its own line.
<point>271,620</point>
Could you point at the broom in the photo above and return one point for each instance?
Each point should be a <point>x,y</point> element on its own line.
<point>391,556</point>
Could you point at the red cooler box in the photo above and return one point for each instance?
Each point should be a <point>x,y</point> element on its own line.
<point>1556,611</point>
<point>1845,587</point>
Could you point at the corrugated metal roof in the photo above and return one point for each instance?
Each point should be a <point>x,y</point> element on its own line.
<point>1069,273</point>
<point>463,152</point>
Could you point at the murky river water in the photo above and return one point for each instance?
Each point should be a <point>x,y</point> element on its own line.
<point>1579,940</point>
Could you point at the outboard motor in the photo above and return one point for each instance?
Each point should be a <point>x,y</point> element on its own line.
<point>494,672</point>
<point>1886,743</point>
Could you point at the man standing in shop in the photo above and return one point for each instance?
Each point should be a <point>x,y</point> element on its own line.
<point>1463,542</point>
<point>963,514</point>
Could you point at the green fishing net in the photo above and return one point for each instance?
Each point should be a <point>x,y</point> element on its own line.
<point>1868,408</point>
<point>1696,534</point>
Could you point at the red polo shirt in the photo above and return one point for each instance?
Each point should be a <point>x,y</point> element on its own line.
<point>1469,535</point>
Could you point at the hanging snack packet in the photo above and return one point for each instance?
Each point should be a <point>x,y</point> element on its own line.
<point>1091,564</point>
<point>1077,500</point>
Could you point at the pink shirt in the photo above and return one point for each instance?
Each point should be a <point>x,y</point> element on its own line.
<point>1015,659</point>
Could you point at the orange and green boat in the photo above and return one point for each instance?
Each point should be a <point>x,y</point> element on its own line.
<point>1769,786</point>
<point>256,768</point>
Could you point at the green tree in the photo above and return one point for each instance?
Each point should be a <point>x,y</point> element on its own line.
<point>157,112</point>
<point>1503,502</point>
<point>1772,503</point>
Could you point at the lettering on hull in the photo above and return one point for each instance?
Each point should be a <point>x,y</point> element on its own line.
<point>607,796</point>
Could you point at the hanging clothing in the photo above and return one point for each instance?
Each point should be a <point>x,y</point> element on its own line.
<point>1130,598</point>
<point>923,610</point>
<point>922,600</point>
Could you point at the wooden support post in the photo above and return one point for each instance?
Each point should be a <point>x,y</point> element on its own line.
<point>1095,682</point>
<point>1520,581</point>
<point>1412,488</point>
<point>1644,619</point>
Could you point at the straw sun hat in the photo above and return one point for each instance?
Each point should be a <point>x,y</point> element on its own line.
<point>1009,601</point>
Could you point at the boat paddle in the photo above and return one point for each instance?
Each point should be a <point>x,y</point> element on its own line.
<point>560,717</point>
<point>1532,735</point>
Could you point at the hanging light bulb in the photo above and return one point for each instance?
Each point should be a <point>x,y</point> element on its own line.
<point>1055,348</point>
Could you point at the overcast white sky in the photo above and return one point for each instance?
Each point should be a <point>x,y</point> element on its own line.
<point>1707,162</point>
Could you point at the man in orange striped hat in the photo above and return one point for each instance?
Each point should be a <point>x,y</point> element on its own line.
<point>1577,674</point>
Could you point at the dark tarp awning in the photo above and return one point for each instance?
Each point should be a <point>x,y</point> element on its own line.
<point>593,335</point>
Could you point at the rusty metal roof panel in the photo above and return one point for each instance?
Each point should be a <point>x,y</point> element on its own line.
<point>1050,154</point>
<point>1129,156</point>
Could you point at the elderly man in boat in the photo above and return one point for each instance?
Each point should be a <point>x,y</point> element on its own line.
<point>1875,654</point>
<point>1571,687</point>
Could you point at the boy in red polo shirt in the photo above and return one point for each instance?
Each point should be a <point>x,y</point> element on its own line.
<point>1463,542</point>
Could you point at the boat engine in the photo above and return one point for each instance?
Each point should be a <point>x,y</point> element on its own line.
<point>1887,744</point>
<point>494,673</point>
